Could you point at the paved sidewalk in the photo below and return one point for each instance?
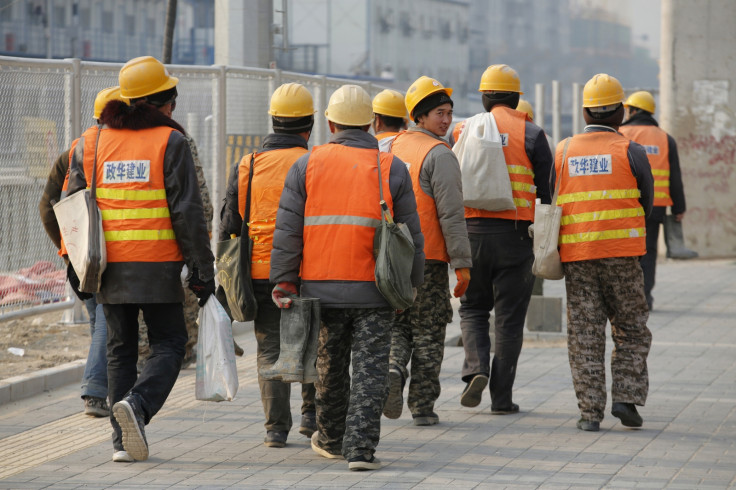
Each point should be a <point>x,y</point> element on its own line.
<point>688,439</point>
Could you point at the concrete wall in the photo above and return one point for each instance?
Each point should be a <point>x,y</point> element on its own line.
<point>698,102</point>
<point>243,32</point>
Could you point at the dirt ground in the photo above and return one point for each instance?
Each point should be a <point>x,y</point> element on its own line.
<point>46,343</point>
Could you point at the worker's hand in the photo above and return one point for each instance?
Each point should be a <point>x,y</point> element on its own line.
<point>74,283</point>
<point>463,280</point>
<point>201,289</point>
<point>678,217</point>
<point>282,294</point>
<point>530,230</point>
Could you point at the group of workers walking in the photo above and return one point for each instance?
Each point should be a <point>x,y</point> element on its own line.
<point>312,216</point>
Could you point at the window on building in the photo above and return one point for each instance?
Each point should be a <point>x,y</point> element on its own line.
<point>107,21</point>
<point>85,18</point>
<point>130,25</point>
<point>6,10</point>
<point>59,19</point>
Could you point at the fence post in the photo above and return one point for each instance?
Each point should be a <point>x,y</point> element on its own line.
<point>539,105</point>
<point>321,122</point>
<point>555,111</point>
<point>219,137</point>
<point>73,99</point>
<point>576,108</point>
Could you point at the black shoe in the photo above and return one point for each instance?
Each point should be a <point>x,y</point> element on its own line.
<point>473,391</point>
<point>132,426</point>
<point>627,413</point>
<point>589,425</point>
<point>513,408</point>
<point>363,463</point>
<point>429,419</point>
<point>275,438</point>
<point>395,401</point>
<point>96,407</point>
<point>309,424</point>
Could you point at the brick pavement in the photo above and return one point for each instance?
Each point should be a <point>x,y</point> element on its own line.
<point>688,439</point>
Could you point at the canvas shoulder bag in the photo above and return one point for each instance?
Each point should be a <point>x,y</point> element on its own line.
<point>80,224</point>
<point>485,176</point>
<point>233,266</point>
<point>394,251</point>
<point>547,217</point>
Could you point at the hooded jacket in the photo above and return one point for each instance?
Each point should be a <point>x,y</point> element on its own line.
<point>155,282</point>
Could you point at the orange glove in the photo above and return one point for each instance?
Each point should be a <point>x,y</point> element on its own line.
<point>463,280</point>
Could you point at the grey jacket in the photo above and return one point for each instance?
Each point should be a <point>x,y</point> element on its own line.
<point>288,239</point>
<point>440,178</point>
<point>155,282</point>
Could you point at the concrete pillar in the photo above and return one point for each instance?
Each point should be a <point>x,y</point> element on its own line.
<point>697,107</point>
<point>243,32</point>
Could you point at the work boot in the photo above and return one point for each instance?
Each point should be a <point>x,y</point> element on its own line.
<point>627,413</point>
<point>310,353</point>
<point>675,241</point>
<point>275,438</point>
<point>294,328</point>
<point>395,401</point>
<point>473,391</point>
<point>588,425</point>
<point>308,425</point>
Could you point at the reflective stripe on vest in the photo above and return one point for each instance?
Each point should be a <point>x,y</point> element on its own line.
<point>654,141</point>
<point>412,147</point>
<point>131,193</point>
<point>601,213</point>
<point>342,212</point>
<point>512,123</point>
<point>270,171</point>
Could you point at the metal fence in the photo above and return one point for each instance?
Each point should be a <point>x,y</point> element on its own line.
<point>48,103</point>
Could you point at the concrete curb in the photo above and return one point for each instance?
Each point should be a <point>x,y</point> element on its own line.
<point>25,385</point>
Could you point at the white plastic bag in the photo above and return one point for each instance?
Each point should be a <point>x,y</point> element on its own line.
<point>486,182</point>
<point>547,264</point>
<point>217,373</point>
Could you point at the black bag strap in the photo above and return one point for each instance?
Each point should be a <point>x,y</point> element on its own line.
<point>246,215</point>
<point>385,213</point>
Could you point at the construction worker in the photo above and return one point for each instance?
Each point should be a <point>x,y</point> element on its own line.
<point>94,379</point>
<point>389,114</point>
<point>191,306</point>
<point>326,222</point>
<point>419,332</point>
<point>661,149</point>
<point>525,107</point>
<point>605,190</point>
<point>292,115</point>
<point>154,223</point>
<point>502,255</point>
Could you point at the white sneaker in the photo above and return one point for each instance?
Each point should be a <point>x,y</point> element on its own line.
<point>122,457</point>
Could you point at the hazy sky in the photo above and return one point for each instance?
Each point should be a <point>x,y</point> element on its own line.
<point>645,18</point>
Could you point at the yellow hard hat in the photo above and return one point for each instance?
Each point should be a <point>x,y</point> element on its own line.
<point>525,106</point>
<point>350,105</point>
<point>602,90</point>
<point>104,96</point>
<point>502,78</point>
<point>291,100</point>
<point>422,88</point>
<point>641,100</point>
<point>389,103</point>
<point>144,76</point>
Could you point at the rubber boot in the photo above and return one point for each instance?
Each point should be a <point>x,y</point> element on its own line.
<point>294,328</point>
<point>310,353</point>
<point>674,239</point>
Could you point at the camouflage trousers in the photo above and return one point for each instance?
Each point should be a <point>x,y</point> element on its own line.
<point>349,416</point>
<point>191,314</point>
<point>599,290</point>
<point>418,335</point>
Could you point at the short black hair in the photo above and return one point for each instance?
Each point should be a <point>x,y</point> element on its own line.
<point>390,121</point>
<point>343,127</point>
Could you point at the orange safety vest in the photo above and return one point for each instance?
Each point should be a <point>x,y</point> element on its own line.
<point>412,148</point>
<point>457,130</point>
<point>131,194</point>
<point>270,169</point>
<point>386,134</point>
<point>601,213</point>
<point>654,141</point>
<point>512,126</point>
<point>342,212</point>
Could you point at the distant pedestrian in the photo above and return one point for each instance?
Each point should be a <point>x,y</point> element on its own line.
<point>325,227</point>
<point>605,190</point>
<point>668,189</point>
<point>292,114</point>
<point>419,331</point>
<point>154,223</point>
